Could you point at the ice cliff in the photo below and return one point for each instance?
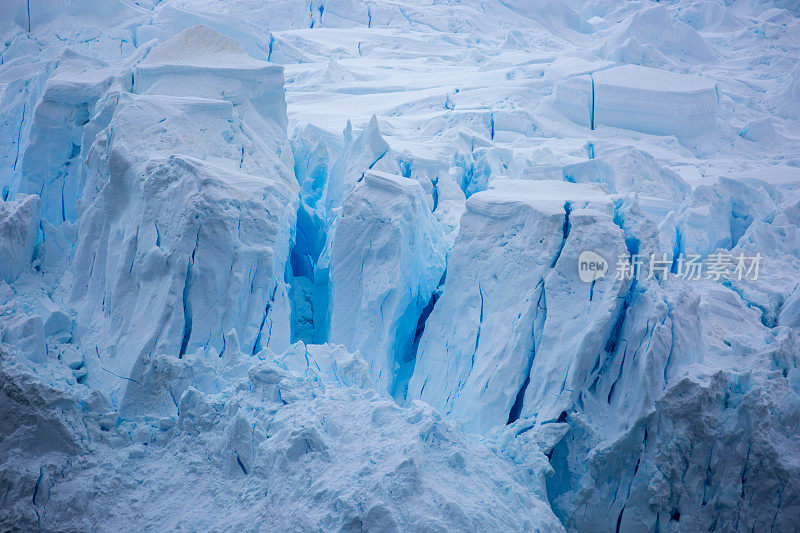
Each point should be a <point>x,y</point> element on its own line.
<point>370,265</point>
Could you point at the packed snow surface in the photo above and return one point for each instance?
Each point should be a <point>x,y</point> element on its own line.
<point>400,265</point>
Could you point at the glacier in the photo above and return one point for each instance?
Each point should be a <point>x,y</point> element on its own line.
<point>399,265</point>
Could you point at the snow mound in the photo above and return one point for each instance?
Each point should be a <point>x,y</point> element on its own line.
<point>202,47</point>
<point>660,38</point>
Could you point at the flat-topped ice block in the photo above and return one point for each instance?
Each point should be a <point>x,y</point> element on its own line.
<point>201,62</point>
<point>640,99</point>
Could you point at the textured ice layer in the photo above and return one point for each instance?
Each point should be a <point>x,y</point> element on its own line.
<point>249,442</point>
<point>488,336</point>
<point>387,257</point>
<point>183,200</point>
<point>18,226</point>
<point>641,99</point>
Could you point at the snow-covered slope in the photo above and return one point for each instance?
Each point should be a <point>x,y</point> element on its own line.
<point>391,265</point>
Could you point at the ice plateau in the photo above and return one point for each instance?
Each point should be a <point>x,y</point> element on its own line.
<point>322,265</point>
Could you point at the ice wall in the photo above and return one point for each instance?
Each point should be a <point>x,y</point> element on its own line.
<point>387,257</point>
<point>50,165</point>
<point>187,218</point>
<point>516,251</point>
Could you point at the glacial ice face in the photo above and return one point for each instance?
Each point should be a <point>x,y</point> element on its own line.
<point>19,222</point>
<point>387,257</point>
<point>21,87</point>
<point>487,330</point>
<point>182,199</point>
<point>49,165</point>
<point>687,463</point>
<point>316,266</point>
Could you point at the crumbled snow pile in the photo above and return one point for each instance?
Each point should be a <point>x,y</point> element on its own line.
<point>253,446</point>
<point>317,266</point>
